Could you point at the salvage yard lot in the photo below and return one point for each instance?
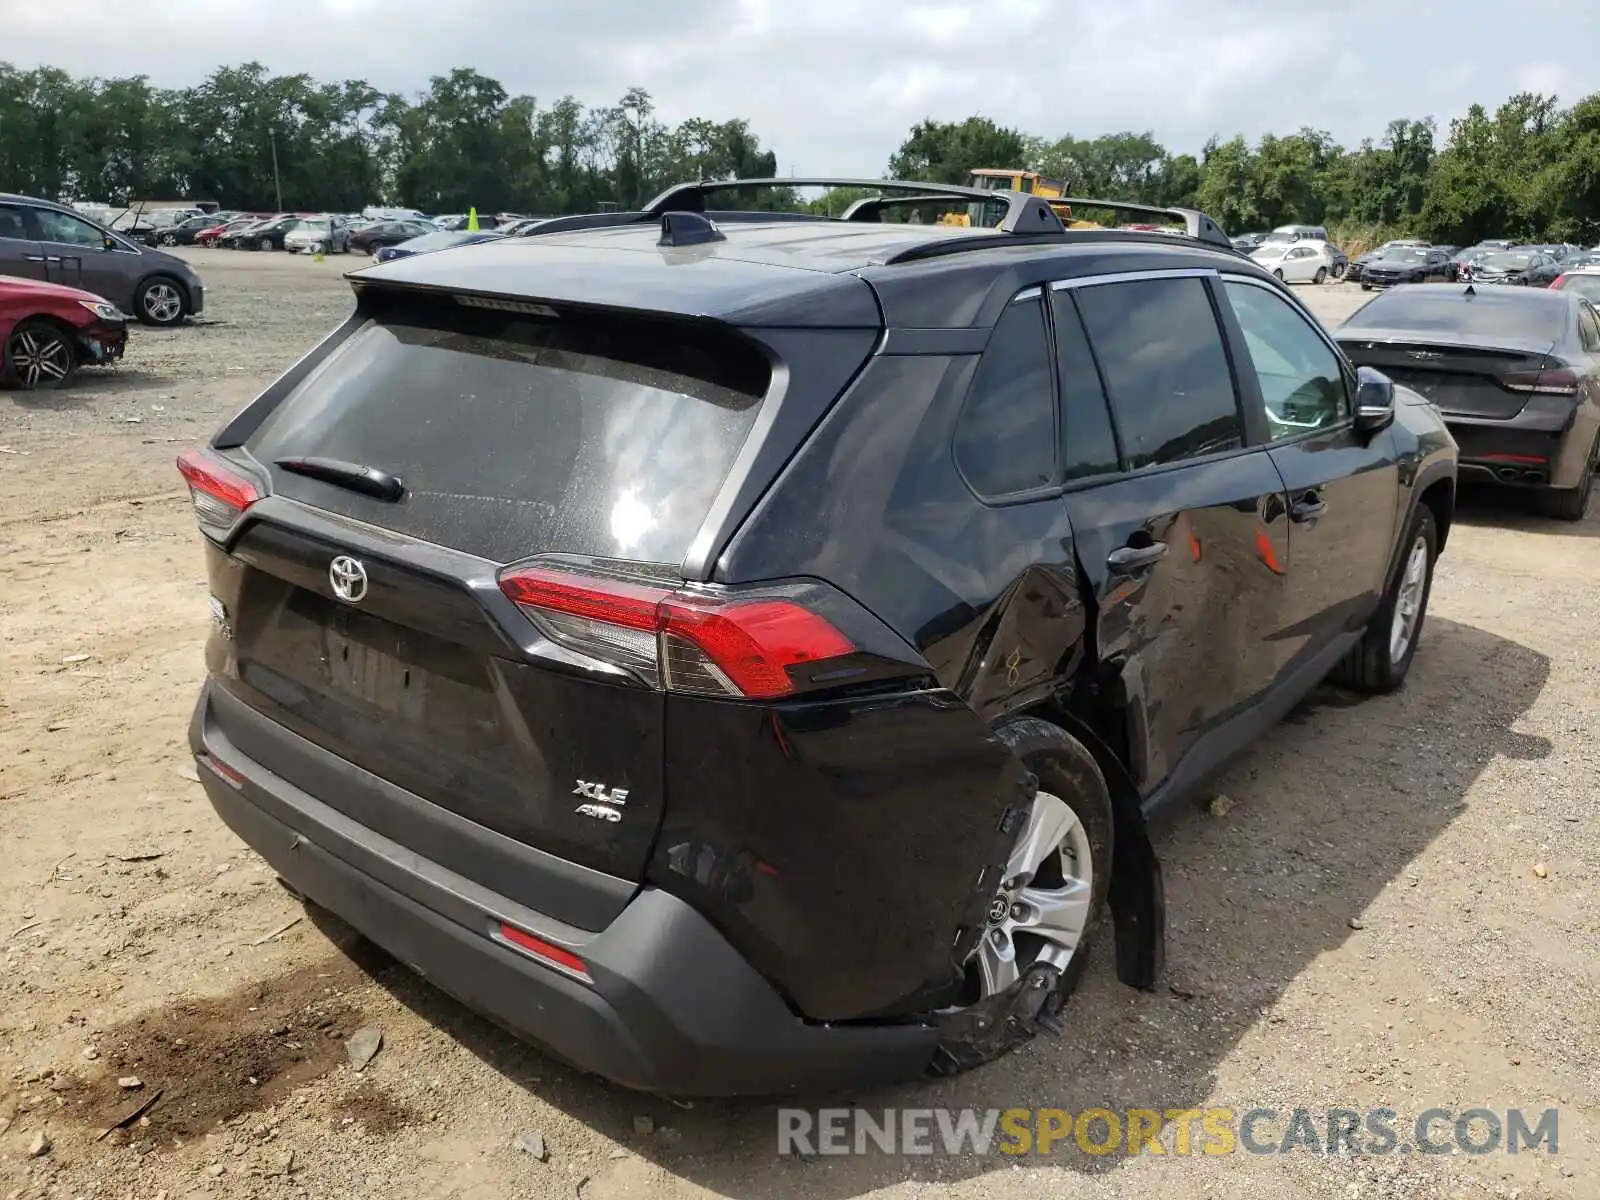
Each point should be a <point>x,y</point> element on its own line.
<point>1361,926</point>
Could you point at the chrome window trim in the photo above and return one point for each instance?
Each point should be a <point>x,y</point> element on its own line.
<point>1062,285</point>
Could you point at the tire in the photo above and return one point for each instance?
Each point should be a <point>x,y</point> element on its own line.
<point>1572,504</point>
<point>1073,811</point>
<point>1366,287</point>
<point>1321,276</point>
<point>264,244</point>
<point>1278,275</point>
<point>39,355</point>
<point>168,239</point>
<point>160,301</point>
<point>1373,665</point>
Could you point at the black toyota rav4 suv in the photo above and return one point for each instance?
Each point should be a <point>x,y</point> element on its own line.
<point>741,651</point>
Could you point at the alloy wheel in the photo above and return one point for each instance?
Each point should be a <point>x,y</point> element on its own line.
<point>1408,601</point>
<point>39,357</point>
<point>162,304</point>
<point>1044,901</point>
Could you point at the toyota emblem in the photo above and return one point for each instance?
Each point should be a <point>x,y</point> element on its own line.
<point>348,577</point>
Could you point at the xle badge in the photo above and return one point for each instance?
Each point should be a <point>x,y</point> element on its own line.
<point>600,798</point>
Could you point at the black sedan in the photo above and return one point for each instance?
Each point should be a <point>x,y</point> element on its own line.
<point>1506,266</point>
<point>186,230</point>
<point>1516,373</point>
<point>371,238</point>
<point>263,235</point>
<point>1407,264</point>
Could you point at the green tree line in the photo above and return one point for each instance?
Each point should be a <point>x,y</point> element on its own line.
<point>1530,170</point>
<point>244,133</point>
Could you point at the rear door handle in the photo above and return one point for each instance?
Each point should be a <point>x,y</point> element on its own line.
<point>34,258</point>
<point>1309,507</point>
<point>1131,558</point>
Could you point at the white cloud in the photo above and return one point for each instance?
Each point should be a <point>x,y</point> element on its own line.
<point>833,85</point>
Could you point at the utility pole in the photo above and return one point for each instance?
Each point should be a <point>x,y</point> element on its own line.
<point>277,184</point>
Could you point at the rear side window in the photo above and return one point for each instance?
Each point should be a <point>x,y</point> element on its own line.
<point>1089,448</point>
<point>515,436</point>
<point>1161,356</point>
<point>1005,441</point>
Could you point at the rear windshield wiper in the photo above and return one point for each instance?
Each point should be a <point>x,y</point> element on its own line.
<point>369,481</point>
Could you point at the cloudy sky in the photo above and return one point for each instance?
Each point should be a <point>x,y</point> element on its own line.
<point>833,85</point>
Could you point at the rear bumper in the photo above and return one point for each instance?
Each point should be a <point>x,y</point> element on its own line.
<point>673,1008</point>
<point>1547,444</point>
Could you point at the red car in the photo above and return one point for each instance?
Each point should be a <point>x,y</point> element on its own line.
<point>48,331</point>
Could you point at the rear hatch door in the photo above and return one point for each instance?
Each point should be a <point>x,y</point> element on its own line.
<point>511,435</point>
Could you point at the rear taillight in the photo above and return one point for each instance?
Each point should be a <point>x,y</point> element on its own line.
<point>219,492</point>
<point>682,640</point>
<point>1557,381</point>
<point>1556,282</point>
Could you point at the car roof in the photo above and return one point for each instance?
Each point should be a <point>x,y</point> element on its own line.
<point>680,257</point>
<point>14,198</point>
<point>820,245</point>
<point>767,272</point>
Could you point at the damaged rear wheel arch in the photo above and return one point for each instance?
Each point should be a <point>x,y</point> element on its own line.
<point>1052,893</point>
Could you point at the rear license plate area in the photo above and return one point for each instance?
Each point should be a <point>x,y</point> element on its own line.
<point>367,661</point>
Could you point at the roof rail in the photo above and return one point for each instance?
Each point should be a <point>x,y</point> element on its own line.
<point>1024,213</point>
<point>868,208</point>
<point>1195,223</point>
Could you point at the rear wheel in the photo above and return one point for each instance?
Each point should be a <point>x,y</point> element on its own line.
<point>264,244</point>
<point>1380,661</point>
<point>38,356</point>
<point>1571,504</point>
<point>159,301</point>
<point>1321,275</point>
<point>1278,275</point>
<point>1035,943</point>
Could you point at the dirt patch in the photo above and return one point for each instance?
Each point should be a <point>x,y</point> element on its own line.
<point>217,1059</point>
<point>378,1113</point>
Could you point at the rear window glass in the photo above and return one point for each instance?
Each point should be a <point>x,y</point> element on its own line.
<point>514,435</point>
<point>1514,313</point>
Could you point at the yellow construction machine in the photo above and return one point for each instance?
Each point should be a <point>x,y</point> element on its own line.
<point>997,179</point>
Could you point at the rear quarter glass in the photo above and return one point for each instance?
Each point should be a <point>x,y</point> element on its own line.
<point>515,435</point>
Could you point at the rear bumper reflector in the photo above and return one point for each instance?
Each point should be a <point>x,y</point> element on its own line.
<point>554,957</point>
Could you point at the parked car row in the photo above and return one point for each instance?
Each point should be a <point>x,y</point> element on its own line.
<point>70,286</point>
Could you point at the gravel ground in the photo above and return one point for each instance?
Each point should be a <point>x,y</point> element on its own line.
<point>1364,926</point>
